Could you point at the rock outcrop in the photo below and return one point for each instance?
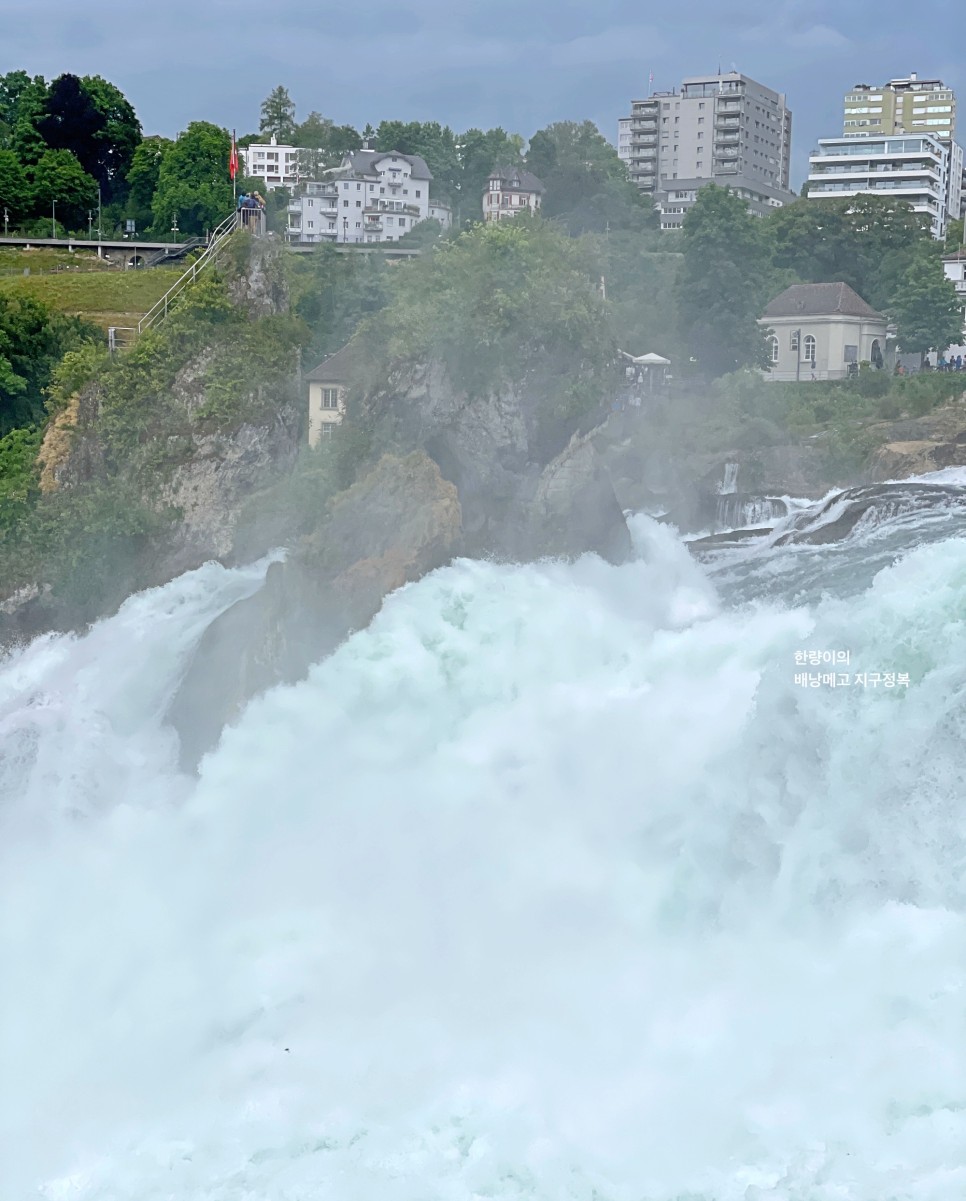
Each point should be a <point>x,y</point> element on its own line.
<point>399,522</point>
<point>920,445</point>
<point>461,476</point>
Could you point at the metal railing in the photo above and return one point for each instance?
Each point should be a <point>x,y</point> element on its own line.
<point>160,309</point>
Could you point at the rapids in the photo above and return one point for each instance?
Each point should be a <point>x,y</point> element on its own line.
<point>552,883</point>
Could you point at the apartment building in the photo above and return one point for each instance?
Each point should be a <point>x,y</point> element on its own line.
<point>624,139</point>
<point>276,166</point>
<point>373,196</point>
<point>910,105</point>
<point>726,129</point>
<point>911,168</point>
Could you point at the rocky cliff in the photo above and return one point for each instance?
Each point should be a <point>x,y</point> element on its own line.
<point>186,426</point>
<point>465,476</point>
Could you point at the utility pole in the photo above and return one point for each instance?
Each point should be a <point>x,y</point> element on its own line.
<point>100,232</point>
<point>90,222</point>
<point>798,356</point>
<point>53,218</point>
<point>6,221</point>
<point>174,228</point>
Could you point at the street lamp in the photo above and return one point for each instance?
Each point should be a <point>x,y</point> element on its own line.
<point>6,221</point>
<point>345,230</point>
<point>174,228</point>
<point>53,218</point>
<point>798,355</point>
<point>90,223</point>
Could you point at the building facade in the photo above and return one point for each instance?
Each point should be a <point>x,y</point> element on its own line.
<point>510,190</point>
<point>276,166</point>
<point>914,168</point>
<point>954,267</point>
<point>372,197</point>
<point>328,388</point>
<point>823,332</point>
<point>910,105</point>
<point>726,129</point>
<point>624,139</point>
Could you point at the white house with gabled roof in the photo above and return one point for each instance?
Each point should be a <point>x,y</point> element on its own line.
<point>373,196</point>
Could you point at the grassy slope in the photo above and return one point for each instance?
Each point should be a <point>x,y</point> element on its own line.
<point>83,285</point>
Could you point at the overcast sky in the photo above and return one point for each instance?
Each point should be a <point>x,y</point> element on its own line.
<point>516,63</point>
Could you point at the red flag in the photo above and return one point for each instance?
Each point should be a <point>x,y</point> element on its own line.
<point>233,158</point>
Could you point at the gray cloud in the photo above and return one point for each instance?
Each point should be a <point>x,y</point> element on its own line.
<point>516,63</point>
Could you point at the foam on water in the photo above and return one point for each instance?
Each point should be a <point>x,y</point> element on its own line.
<point>551,883</point>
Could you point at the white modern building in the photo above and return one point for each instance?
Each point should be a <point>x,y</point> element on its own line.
<point>276,166</point>
<point>724,128</point>
<point>373,196</point>
<point>914,168</point>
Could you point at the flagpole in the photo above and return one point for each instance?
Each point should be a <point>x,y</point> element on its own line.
<point>234,166</point>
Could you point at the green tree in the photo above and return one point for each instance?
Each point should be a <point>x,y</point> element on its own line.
<point>142,178</point>
<point>278,116</point>
<point>25,140</point>
<point>117,141</point>
<point>193,181</point>
<point>11,86</point>
<point>927,309</point>
<point>866,241</point>
<point>955,236</point>
<point>507,302</point>
<point>722,286</point>
<point>32,340</point>
<point>15,194</point>
<point>343,139</point>
<point>59,179</point>
<point>314,132</point>
<point>587,186</point>
<point>479,152</point>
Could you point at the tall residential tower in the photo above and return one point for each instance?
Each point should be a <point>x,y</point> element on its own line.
<point>910,105</point>
<point>725,129</point>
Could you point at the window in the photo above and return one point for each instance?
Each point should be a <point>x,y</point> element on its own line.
<point>773,346</point>
<point>851,354</point>
<point>326,429</point>
<point>330,398</point>
<point>345,204</point>
<point>809,347</point>
<point>418,193</point>
<point>358,204</point>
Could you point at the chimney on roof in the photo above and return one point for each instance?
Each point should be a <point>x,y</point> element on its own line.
<point>913,75</point>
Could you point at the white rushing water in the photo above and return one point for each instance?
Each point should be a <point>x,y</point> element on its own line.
<point>553,883</point>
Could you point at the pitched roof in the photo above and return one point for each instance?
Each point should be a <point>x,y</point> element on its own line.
<point>336,368</point>
<point>518,179</point>
<point>363,162</point>
<point>820,300</point>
